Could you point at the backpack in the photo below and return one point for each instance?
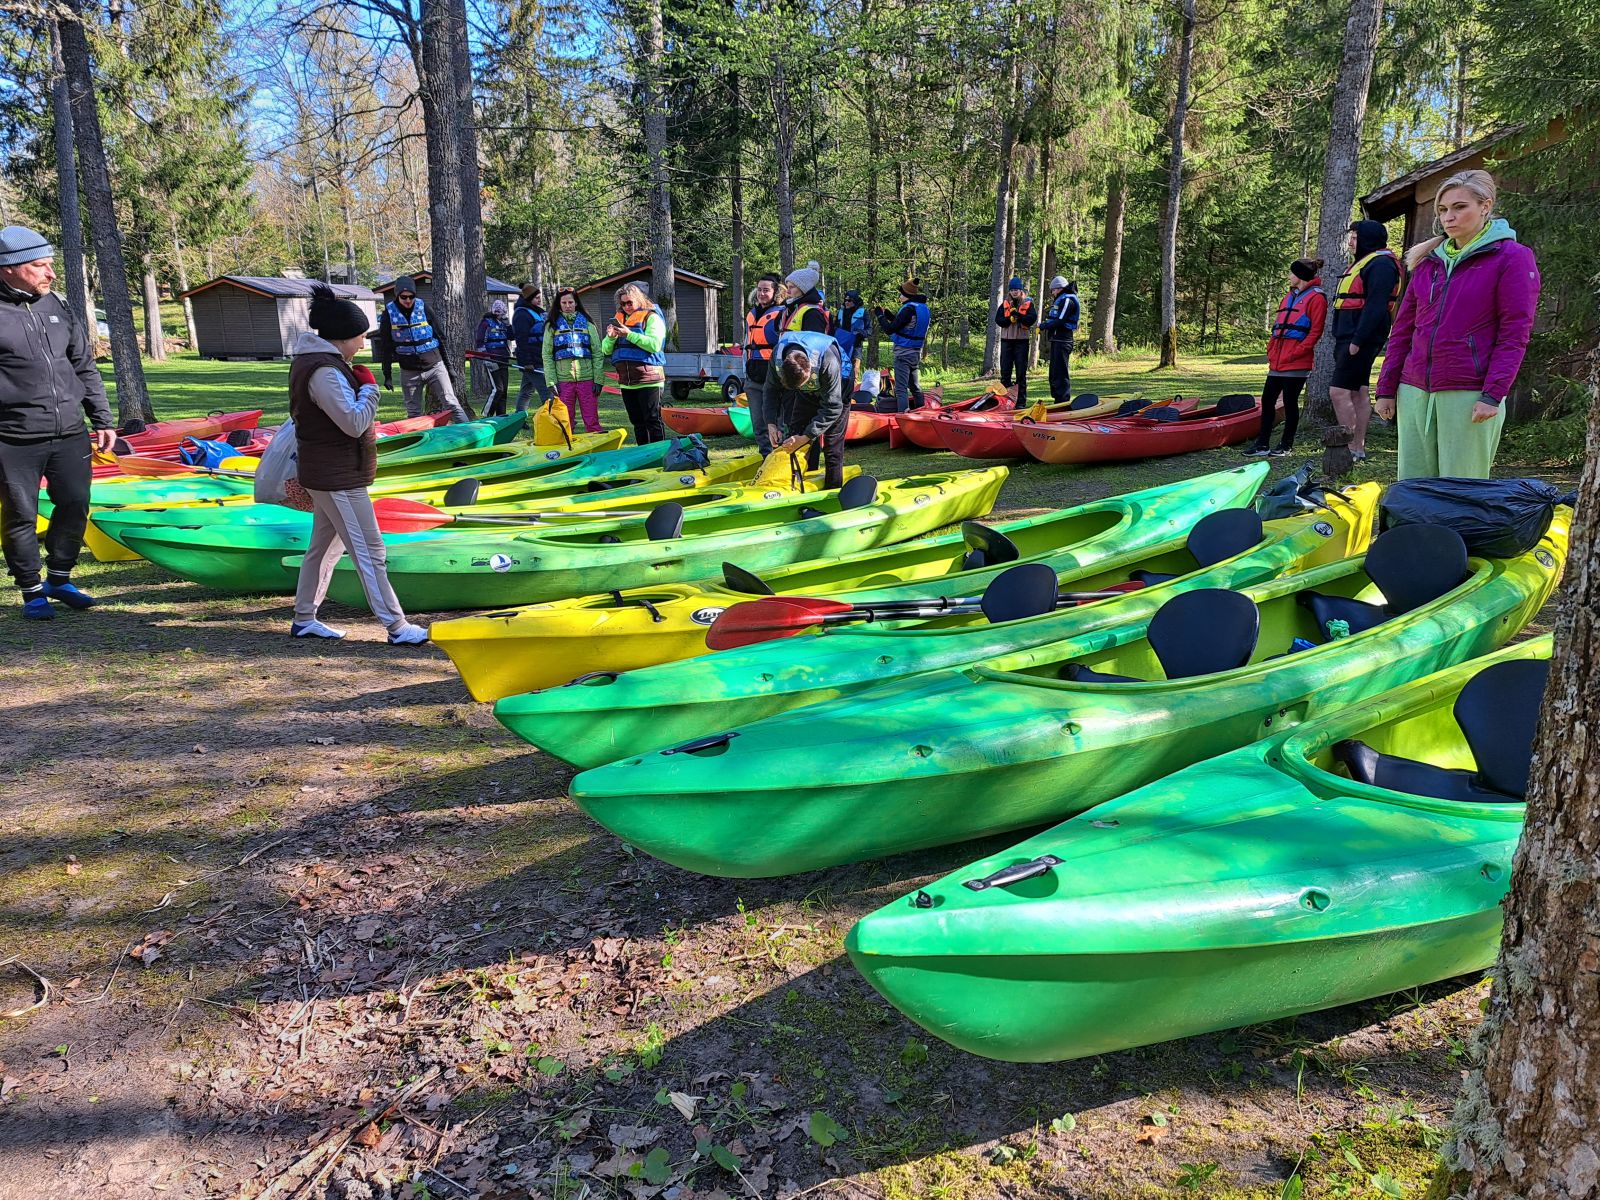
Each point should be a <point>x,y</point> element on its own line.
<point>552,424</point>
<point>687,454</point>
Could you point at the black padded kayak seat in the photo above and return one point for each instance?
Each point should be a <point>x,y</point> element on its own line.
<point>1129,407</point>
<point>806,512</point>
<point>1017,592</point>
<point>1235,402</point>
<point>1087,400</point>
<point>121,446</point>
<point>987,547</point>
<point>1215,538</point>
<point>132,426</point>
<point>1412,565</point>
<point>1161,412</point>
<point>665,522</point>
<point>748,582</point>
<point>858,492</point>
<point>240,437</point>
<point>600,485</point>
<point>1498,711</point>
<point>463,493</point>
<point>1202,632</point>
<point>609,539</point>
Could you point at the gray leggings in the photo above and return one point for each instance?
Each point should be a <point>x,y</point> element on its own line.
<point>344,521</point>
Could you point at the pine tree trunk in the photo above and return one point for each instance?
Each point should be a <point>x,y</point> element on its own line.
<point>476,284</point>
<point>1047,248</point>
<point>1169,218</point>
<point>183,282</point>
<point>1002,213</point>
<point>436,78</point>
<point>132,398</point>
<point>1103,326</point>
<point>874,278</point>
<point>736,209</point>
<point>783,146</point>
<point>67,184</point>
<point>1527,1120</point>
<point>1339,167</point>
<point>155,343</point>
<point>652,88</point>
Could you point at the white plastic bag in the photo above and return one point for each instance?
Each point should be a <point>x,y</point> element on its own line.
<point>279,468</point>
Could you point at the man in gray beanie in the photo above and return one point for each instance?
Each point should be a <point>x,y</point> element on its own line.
<point>48,383</point>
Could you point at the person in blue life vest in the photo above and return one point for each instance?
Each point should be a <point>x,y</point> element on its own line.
<point>406,337</point>
<point>528,321</point>
<point>1016,316</point>
<point>572,358</point>
<point>1060,325</point>
<point>493,341</point>
<point>807,374</point>
<point>908,333</point>
<point>851,332</point>
<point>760,331</point>
<point>635,345</point>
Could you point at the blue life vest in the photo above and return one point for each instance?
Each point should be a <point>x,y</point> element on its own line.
<point>816,346</point>
<point>1063,315</point>
<point>411,335</point>
<point>913,337</point>
<point>527,329</point>
<point>851,335</point>
<point>571,339</point>
<point>1294,322</point>
<point>623,350</point>
<point>496,337</point>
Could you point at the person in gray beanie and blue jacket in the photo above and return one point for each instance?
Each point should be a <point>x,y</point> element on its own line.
<point>48,384</point>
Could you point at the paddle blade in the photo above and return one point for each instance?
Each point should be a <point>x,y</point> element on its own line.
<point>398,515</point>
<point>764,620</point>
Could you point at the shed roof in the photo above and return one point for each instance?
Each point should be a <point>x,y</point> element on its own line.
<point>679,275</point>
<point>499,286</point>
<point>279,287</point>
<point>1379,197</point>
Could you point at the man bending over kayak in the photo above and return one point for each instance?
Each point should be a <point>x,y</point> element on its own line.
<point>810,400</point>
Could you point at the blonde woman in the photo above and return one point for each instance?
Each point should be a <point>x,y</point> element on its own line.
<point>635,344</point>
<point>1460,335</point>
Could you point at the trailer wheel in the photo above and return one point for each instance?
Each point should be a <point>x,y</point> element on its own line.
<point>731,387</point>
<point>682,391</point>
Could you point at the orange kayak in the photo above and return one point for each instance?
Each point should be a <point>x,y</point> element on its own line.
<point>708,422</point>
<point>1224,423</point>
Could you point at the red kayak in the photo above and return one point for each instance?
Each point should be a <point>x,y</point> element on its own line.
<point>412,424</point>
<point>707,422</point>
<point>1227,422</point>
<point>918,427</point>
<point>987,434</point>
<point>165,435</point>
<point>868,425</point>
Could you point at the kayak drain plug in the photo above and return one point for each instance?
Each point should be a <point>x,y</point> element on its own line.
<point>921,900</point>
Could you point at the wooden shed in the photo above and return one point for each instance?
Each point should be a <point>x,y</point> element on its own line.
<point>258,316</point>
<point>1412,195</point>
<point>498,289</point>
<point>694,295</point>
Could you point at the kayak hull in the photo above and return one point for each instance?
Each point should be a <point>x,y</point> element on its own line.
<point>707,422</point>
<point>995,433</point>
<point>1133,438</point>
<point>1249,888</point>
<point>502,654</point>
<point>493,572</point>
<point>906,760</point>
<point>659,707</point>
<point>917,426</point>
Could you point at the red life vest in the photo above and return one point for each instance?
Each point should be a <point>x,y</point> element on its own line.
<point>759,331</point>
<point>1352,293</point>
<point>1297,329</point>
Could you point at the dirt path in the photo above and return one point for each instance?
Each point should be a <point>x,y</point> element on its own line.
<point>375,952</point>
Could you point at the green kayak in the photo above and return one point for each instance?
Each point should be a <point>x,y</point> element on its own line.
<point>444,439</point>
<point>1251,887</point>
<point>432,573</point>
<point>610,716</point>
<point>505,472</point>
<point>1043,733</point>
<point>241,548</point>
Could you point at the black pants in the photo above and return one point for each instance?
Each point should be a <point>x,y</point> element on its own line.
<point>1014,367</point>
<point>644,410</point>
<point>498,404</point>
<point>830,450</point>
<point>1060,369</point>
<point>1289,388</point>
<point>65,461</point>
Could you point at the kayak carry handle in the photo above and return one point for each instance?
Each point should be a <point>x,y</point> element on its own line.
<point>717,741</point>
<point>1016,873</point>
<point>608,676</point>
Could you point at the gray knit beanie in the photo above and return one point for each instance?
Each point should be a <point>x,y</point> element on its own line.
<point>805,278</point>
<point>19,244</point>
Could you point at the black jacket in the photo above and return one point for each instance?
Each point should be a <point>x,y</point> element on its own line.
<point>48,379</point>
<point>1380,280</point>
<point>812,410</point>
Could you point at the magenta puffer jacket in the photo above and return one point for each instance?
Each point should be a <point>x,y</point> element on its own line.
<point>1466,329</point>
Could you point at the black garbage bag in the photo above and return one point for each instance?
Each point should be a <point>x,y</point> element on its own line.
<point>1497,518</point>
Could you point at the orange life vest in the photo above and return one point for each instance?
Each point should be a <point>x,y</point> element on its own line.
<point>1352,293</point>
<point>758,329</point>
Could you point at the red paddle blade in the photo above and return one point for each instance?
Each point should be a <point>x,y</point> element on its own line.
<point>398,515</point>
<point>771,617</point>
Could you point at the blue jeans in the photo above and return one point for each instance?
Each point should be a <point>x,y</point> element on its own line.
<point>532,384</point>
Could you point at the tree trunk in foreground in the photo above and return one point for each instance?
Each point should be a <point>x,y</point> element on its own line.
<point>67,183</point>
<point>1169,219</point>
<point>653,93</point>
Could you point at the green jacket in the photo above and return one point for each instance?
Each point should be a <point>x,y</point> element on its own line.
<point>573,370</point>
<point>651,338</point>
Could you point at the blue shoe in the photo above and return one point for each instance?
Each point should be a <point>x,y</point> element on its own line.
<point>69,595</point>
<point>38,609</point>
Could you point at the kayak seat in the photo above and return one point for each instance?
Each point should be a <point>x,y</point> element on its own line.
<point>1087,400</point>
<point>858,492</point>
<point>1161,412</point>
<point>240,437</point>
<point>1498,712</point>
<point>1129,407</point>
<point>463,493</point>
<point>132,426</point>
<point>609,539</point>
<point>988,547</point>
<point>120,446</point>
<point>1195,633</point>
<point>1412,565</point>
<point>665,522</point>
<point>740,580</point>
<point>600,485</point>
<point>807,512</point>
<point>1215,538</point>
<point>1017,592</point>
<point>1235,402</point>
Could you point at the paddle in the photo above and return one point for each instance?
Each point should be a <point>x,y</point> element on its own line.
<point>770,618</point>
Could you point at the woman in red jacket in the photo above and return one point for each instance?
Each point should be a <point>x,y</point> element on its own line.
<point>1290,352</point>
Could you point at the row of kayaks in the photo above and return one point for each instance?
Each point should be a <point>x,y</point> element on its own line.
<point>989,425</point>
<point>1284,771</point>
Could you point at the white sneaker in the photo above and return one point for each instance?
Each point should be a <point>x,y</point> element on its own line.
<point>314,629</point>
<point>408,635</point>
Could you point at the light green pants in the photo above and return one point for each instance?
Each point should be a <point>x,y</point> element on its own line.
<point>1438,438</point>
